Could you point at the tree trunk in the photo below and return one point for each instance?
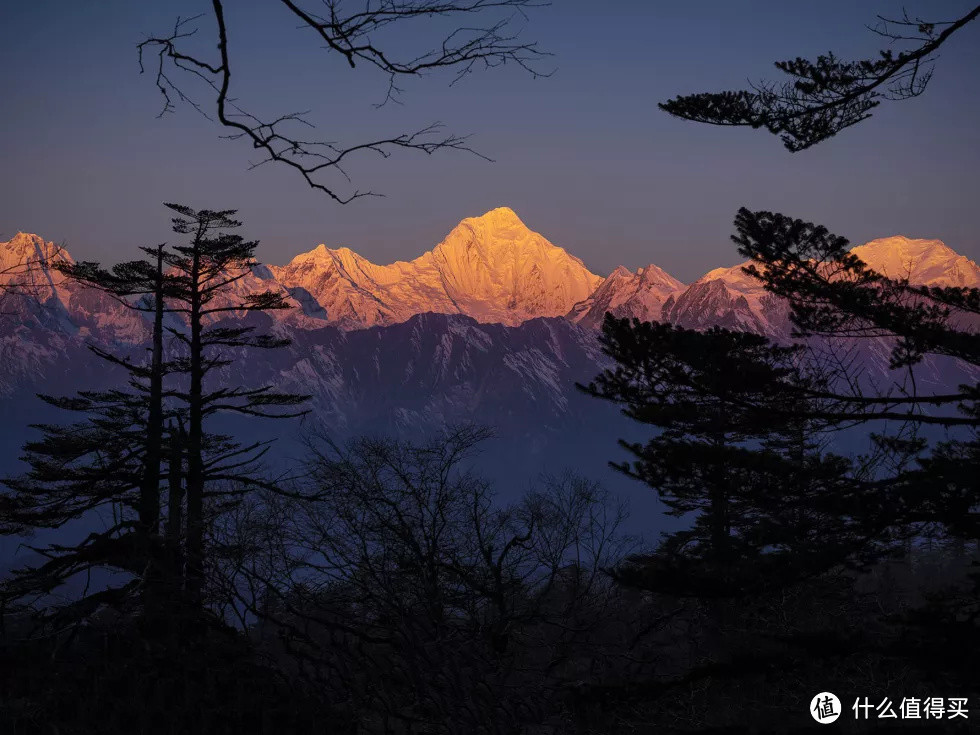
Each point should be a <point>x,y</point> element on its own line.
<point>154,596</point>
<point>719,607</point>
<point>174,583</point>
<point>195,461</point>
<point>175,497</point>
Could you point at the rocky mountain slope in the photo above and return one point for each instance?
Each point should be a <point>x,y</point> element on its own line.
<point>639,295</point>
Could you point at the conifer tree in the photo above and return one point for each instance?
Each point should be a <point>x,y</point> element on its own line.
<point>833,293</point>
<point>109,460</point>
<point>204,272</point>
<point>141,285</point>
<point>769,505</point>
<point>132,448</point>
<point>928,492</point>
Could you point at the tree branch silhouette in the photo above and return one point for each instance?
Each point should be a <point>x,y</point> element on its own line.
<point>350,34</point>
<point>825,96</point>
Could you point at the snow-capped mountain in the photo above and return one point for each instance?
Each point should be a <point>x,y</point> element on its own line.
<point>639,295</point>
<point>492,268</point>
<point>44,317</point>
<point>519,326</point>
<point>923,262</point>
<point>730,298</point>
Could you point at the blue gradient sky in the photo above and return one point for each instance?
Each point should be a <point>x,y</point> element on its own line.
<point>585,157</point>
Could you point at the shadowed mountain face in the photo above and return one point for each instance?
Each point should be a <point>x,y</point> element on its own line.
<point>493,325</point>
<point>434,370</point>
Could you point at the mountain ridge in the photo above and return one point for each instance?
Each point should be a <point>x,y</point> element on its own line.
<point>371,364</point>
<point>495,269</point>
<point>492,268</point>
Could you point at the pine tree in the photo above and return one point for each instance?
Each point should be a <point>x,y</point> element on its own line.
<point>769,507</point>
<point>925,493</point>
<point>139,444</point>
<point>148,282</point>
<point>204,271</point>
<point>832,293</point>
<point>109,460</point>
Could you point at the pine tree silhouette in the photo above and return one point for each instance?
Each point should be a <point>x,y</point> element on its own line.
<point>770,506</point>
<point>112,463</point>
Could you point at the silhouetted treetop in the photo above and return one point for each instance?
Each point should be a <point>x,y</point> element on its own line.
<point>823,97</point>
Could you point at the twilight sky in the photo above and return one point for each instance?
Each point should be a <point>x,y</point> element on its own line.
<point>584,156</point>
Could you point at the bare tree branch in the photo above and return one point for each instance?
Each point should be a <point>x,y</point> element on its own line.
<point>351,34</point>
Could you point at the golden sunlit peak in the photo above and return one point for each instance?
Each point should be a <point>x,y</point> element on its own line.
<point>322,250</point>
<point>500,215</point>
<point>928,262</point>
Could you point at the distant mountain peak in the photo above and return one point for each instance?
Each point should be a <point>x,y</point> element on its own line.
<point>900,247</point>
<point>735,277</point>
<point>654,275</point>
<point>321,253</point>
<point>499,230</point>
<point>639,295</point>
<point>501,216</point>
<point>923,261</point>
<point>24,242</point>
<point>495,268</point>
<point>492,268</point>
<point>903,242</point>
<point>621,272</point>
<point>25,248</point>
<point>22,237</point>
